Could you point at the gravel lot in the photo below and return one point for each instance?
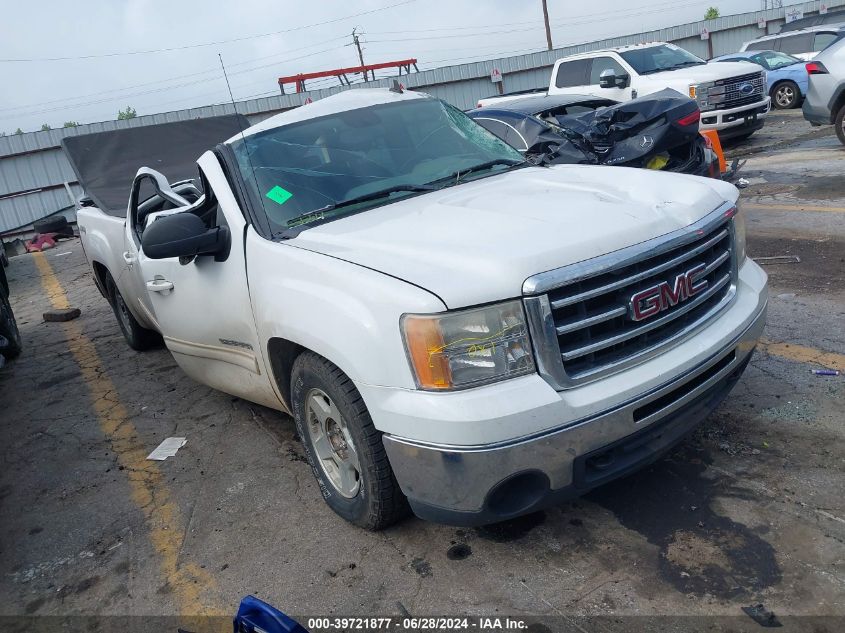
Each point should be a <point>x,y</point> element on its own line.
<point>749,511</point>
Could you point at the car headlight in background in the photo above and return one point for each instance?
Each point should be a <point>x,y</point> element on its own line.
<point>708,95</point>
<point>456,350</point>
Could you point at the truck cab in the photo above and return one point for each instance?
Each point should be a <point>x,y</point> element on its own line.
<point>731,95</point>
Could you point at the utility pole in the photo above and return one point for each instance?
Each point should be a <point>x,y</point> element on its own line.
<point>548,29</point>
<point>360,54</point>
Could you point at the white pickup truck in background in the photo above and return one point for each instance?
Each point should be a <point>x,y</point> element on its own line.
<point>731,95</point>
<point>451,328</point>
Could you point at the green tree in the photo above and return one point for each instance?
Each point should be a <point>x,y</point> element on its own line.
<point>19,131</point>
<point>711,14</point>
<point>45,127</point>
<point>128,113</point>
<point>71,124</point>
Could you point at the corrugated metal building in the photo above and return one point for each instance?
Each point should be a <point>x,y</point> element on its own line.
<point>36,179</point>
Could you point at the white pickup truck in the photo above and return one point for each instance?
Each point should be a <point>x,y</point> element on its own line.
<point>452,328</point>
<point>732,98</point>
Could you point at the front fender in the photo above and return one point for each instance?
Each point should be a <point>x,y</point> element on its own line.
<point>347,313</point>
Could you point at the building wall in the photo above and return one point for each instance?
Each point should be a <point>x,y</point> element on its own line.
<point>33,168</point>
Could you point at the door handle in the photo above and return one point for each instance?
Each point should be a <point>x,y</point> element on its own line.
<point>129,258</point>
<point>160,285</point>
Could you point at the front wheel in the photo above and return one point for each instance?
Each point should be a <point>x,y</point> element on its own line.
<point>785,95</point>
<point>344,449</point>
<point>840,124</point>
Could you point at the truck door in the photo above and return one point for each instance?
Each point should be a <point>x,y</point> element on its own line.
<point>143,197</point>
<point>602,63</point>
<point>202,306</point>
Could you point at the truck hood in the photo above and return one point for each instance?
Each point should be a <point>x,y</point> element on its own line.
<point>682,78</point>
<point>479,241</point>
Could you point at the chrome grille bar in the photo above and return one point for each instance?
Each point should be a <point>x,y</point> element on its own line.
<point>593,320</point>
<point>581,318</point>
<point>620,338</point>
<point>589,294</point>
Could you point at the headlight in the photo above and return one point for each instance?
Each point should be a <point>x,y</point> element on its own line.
<point>463,349</point>
<point>739,235</point>
<point>707,95</point>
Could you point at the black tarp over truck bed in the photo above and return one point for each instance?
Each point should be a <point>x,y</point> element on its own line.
<point>105,163</point>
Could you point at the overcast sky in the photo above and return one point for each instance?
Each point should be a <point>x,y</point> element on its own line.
<point>437,32</point>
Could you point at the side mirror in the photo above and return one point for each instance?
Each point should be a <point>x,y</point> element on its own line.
<point>609,79</point>
<point>184,235</point>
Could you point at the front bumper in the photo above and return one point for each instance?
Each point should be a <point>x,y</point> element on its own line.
<point>474,485</point>
<point>737,121</point>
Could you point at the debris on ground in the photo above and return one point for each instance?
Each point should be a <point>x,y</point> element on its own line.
<point>41,242</point>
<point>825,372</point>
<point>762,616</point>
<point>742,183</point>
<point>63,314</point>
<point>778,259</point>
<point>167,448</point>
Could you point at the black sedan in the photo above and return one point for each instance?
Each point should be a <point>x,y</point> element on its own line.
<point>659,131</point>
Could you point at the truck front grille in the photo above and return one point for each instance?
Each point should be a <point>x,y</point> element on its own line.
<point>735,97</point>
<point>590,321</point>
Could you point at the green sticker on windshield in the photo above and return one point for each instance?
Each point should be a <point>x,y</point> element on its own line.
<point>279,195</point>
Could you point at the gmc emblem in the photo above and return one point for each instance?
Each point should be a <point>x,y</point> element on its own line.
<point>646,303</point>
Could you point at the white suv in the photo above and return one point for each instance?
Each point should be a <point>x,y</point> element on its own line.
<point>732,95</point>
<point>804,44</point>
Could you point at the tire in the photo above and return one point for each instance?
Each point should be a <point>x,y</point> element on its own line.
<point>52,225</point>
<point>9,328</point>
<point>785,95</point>
<point>137,336</point>
<point>339,437</point>
<point>839,122</point>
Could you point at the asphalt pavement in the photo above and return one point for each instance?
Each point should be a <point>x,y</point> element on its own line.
<point>750,510</point>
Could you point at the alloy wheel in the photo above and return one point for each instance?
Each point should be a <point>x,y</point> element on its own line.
<point>784,96</point>
<point>332,443</point>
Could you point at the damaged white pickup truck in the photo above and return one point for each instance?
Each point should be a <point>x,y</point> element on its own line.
<point>452,328</point>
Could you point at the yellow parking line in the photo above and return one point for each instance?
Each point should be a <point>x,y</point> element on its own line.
<point>802,354</point>
<point>791,207</point>
<point>193,586</point>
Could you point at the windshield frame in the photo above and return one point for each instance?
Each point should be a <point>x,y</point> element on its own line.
<point>249,192</point>
<point>632,58</point>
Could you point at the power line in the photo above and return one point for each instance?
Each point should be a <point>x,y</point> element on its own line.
<point>201,45</point>
<point>357,42</point>
<point>654,9</point>
<point>189,75</point>
<point>158,90</point>
<point>538,24</point>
